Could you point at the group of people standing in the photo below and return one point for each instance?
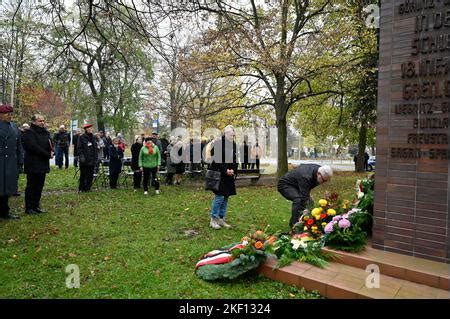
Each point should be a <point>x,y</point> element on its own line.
<point>33,148</point>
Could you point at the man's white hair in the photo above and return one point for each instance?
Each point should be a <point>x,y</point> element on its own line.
<point>326,171</point>
<point>228,128</point>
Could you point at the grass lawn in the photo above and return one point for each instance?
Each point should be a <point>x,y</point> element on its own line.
<point>130,246</point>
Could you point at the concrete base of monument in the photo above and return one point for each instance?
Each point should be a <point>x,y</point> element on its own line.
<point>399,277</point>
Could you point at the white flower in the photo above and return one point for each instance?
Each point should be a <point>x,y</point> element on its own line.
<point>296,243</point>
<point>360,195</point>
<point>245,243</point>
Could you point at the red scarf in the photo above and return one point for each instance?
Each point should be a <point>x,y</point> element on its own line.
<point>150,148</point>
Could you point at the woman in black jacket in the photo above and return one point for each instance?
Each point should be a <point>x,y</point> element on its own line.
<point>87,156</point>
<point>224,157</point>
<point>137,173</point>
<point>115,162</point>
<point>38,152</point>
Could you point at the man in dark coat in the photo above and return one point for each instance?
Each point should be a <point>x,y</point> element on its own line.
<point>296,186</point>
<point>10,160</point>
<point>87,156</point>
<point>38,152</point>
<point>224,160</point>
<point>61,141</point>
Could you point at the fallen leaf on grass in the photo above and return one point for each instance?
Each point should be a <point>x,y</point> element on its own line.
<point>107,258</point>
<point>72,255</point>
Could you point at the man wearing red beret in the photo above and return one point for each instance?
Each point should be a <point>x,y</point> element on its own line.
<point>10,160</point>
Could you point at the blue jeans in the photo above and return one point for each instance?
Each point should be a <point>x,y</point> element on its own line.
<point>219,207</point>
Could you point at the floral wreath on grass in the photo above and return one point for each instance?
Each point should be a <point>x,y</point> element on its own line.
<point>333,223</point>
<point>232,261</point>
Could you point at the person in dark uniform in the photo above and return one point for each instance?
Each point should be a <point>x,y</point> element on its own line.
<point>87,157</point>
<point>115,162</point>
<point>296,186</point>
<point>10,160</point>
<point>38,148</point>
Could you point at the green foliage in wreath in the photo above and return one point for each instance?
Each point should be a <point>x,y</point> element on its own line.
<point>351,239</point>
<point>239,266</point>
<point>311,253</point>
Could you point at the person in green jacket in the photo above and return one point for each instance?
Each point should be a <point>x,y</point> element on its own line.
<point>149,162</point>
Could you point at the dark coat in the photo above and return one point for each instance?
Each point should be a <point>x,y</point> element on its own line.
<point>302,178</point>
<point>135,149</point>
<point>115,159</point>
<point>10,158</point>
<point>61,139</point>
<point>87,150</point>
<point>75,144</point>
<point>224,154</point>
<point>38,150</point>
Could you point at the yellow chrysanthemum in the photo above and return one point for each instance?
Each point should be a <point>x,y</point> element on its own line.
<point>331,212</point>
<point>305,228</point>
<point>323,202</point>
<point>305,218</point>
<point>324,224</point>
<point>316,211</point>
<point>317,217</point>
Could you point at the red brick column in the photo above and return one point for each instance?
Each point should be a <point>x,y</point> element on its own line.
<point>412,191</point>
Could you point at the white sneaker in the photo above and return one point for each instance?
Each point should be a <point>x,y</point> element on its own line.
<point>222,223</point>
<point>157,192</point>
<point>145,193</point>
<point>213,223</point>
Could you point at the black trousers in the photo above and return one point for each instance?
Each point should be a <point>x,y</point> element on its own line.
<point>150,172</point>
<point>256,163</point>
<point>33,191</point>
<point>169,178</point>
<point>86,178</point>
<point>298,205</point>
<point>4,207</point>
<point>114,177</point>
<point>137,179</point>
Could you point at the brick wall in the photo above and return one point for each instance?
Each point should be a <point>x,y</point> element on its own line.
<point>412,191</point>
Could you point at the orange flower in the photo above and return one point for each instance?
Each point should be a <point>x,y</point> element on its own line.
<point>258,245</point>
<point>271,240</point>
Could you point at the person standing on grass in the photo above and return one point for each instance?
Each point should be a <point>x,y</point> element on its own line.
<point>296,186</point>
<point>170,166</point>
<point>115,163</point>
<point>10,160</point>
<point>137,173</point>
<point>150,161</point>
<point>61,141</point>
<point>75,147</point>
<point>38,152</point>
<point>87,156</point>
<point>224,160</point>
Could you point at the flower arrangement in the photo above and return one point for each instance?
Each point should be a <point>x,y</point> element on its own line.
<point>365,200</point>
<point>301,247</point>
<point>314,220</point>
<point>237,259</point>
<point>344,232</point>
